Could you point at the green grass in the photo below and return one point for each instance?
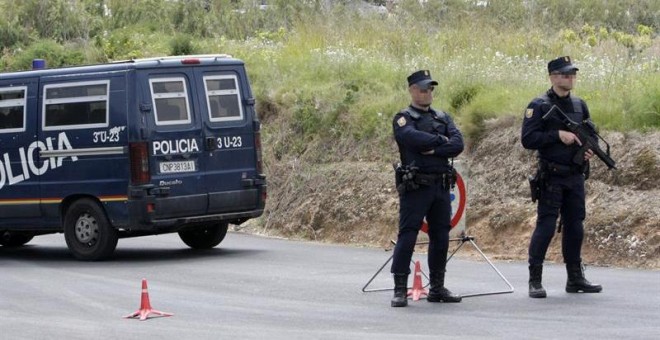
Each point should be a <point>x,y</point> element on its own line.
<point>335,74</point>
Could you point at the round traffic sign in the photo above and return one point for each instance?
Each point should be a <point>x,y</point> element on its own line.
<point>458,198</point>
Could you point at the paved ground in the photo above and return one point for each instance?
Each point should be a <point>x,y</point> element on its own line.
<point>257,288</point>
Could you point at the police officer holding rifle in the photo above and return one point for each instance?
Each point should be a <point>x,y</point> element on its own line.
<point>558,125</point>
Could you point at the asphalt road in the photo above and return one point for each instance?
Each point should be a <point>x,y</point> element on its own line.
<point>260,288</point>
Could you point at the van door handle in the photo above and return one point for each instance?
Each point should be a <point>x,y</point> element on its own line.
<point>211,143</point>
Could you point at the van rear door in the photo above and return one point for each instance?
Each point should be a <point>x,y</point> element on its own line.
<point>229,124</point>
<point>175,143</point>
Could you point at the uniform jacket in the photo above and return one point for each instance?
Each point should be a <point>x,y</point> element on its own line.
<point>417,131</point>
<point>543,134</point>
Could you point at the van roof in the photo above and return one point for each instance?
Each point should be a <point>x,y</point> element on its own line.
<point>156,62</point>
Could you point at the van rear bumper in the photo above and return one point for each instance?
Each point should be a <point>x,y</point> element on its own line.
<point>230,217</point>
<point>177,223</point>
<point>153,210</point>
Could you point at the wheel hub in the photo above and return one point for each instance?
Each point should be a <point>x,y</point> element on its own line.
<point>87,229</point>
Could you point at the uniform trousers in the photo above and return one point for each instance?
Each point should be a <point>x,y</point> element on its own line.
<point>432,201</point>
<point>563,196</point>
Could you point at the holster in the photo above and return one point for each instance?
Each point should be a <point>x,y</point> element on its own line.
<point>537,182</point>
<point>398,174</point>
<point>534,187</point>
<point>451,180</point>
<point>404,177</point>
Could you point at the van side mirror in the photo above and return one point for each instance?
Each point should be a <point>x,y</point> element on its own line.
<point>250,101</point>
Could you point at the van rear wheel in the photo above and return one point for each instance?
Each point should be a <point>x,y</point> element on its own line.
<point>88,232</point>
<point>10,239</point>
<point>204,237</point>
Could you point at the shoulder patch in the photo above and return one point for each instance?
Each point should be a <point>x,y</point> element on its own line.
<point>529,113</point>
<point>401,121</point>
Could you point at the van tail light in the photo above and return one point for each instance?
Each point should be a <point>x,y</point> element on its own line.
<point>257,148</point>
<point>139,163</point>
<point>190,61</point>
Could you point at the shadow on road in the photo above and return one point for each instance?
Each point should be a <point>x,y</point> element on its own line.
<point>62,254</point>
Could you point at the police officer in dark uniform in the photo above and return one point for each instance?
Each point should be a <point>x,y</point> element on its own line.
<point>562,181</point>
<point>427,139</point>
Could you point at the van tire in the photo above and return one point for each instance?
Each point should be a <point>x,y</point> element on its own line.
<point>87,231</point>
<point>10,239</point>
<point>204,237</point>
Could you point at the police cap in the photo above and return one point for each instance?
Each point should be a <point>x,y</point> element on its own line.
<point>421,78</point>
<point>561,65</point>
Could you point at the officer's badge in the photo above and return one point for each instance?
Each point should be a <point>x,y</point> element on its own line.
<point>529,113</point>
<point>401,121</point>
<point>426,73</point>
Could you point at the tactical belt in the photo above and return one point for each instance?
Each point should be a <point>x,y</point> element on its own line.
<point>428,179</point>
<point>561,170</point>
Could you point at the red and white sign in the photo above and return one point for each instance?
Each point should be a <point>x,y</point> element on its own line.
<point>458,197</point>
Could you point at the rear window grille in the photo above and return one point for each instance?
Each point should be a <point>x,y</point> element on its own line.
<point>223,98</point>
<point>170,99</point>
<point>76,105</point>
<point>12,109</point>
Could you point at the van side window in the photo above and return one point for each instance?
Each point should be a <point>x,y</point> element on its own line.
<point>12,109</point>
<point>76,105</point>
<point>223,98</point>
<point>170,100</point>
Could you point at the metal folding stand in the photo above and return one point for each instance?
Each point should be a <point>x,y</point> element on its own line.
<point>463,239</point>
<point>365,290</point>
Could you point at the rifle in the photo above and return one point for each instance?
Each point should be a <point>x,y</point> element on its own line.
<point>584,133</point>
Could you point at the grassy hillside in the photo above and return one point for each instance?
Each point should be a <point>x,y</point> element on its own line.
<point>328,71</point>
<point>329,75</point>
<point>336,69</point>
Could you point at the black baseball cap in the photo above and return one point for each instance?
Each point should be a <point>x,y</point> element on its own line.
<point>562,65</point>
<point>421,78</point>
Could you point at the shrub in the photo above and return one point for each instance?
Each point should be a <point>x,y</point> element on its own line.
<point>11,33</point>
<point>125,43</point>
<point>463,95</point>
<point>182,44</point>
<point>55,55</point>
<point>60,20</point>
<point>646,105</point>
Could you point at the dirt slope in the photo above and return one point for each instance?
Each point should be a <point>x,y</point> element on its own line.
<point>355,202</point>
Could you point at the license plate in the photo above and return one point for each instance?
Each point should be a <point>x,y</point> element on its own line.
<point>174,167</point>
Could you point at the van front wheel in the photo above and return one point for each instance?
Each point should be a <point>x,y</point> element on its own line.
<point>88,232</point>
<point>205,237</point>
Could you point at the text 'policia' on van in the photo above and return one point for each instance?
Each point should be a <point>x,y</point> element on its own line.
<point>126,149</point>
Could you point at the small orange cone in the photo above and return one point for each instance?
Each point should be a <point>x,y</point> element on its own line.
<point>145,306</point>
<point>425,226</point>
<point>417,289</point>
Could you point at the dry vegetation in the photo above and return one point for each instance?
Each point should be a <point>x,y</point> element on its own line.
<point>355,202</point>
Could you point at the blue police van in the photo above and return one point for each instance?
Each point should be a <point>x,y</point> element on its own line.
<point>126,149</point>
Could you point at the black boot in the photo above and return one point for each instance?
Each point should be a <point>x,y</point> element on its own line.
<point>438,292</point>
<point>536,290</point>
<point>576,281</point>
<point>400,298</point>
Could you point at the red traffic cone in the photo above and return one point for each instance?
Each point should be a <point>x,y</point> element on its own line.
<point>425,226</point>
<point>145,306</point>
<point>417,289</point>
